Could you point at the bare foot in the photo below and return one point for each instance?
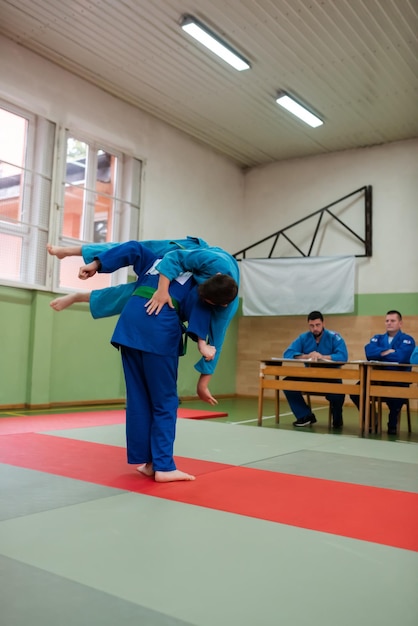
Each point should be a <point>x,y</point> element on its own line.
<point>61,251</point>
<point>57,251</point>
<point>59,304</point>
<point>168,477</point>
<point>146,469</point>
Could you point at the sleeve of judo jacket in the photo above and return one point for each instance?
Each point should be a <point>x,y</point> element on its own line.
<point>205,263</point>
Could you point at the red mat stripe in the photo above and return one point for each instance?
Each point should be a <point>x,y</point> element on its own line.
<point>63,421</point>
<point>59,421</point>
<point>371,514</point>
<point>197,414</point>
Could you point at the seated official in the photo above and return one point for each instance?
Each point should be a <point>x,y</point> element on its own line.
<point>316,344</point>
<point>393,346</point>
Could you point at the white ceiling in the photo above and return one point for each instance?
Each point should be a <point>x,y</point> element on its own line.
<point>354,61</point>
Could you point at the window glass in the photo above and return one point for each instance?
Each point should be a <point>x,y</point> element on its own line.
<point>13,130</point>
<point>25,195</point>
<point>99,197</point>
<point>75,194</point>
<point>96,199</point>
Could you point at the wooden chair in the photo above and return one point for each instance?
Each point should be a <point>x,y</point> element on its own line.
<point>284,375</point>
<point>380,385</point>
<point>376,416</point>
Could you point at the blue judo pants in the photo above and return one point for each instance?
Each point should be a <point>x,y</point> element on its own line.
<point>151,407</point>
<point>301,409</point>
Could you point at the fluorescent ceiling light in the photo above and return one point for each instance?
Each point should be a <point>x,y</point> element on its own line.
<point>297,109</point>
<point>204,35</point>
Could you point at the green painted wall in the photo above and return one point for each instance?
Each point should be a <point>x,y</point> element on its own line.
<point>51,357</point>
<point>15,340</point>
<point>380,303</point>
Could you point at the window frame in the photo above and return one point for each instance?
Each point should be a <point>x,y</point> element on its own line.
<point>125,224</point>
<point>41,203</point>
<point>33,170</point>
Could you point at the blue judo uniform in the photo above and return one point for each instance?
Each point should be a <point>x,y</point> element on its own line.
<point>330,343</point>
<point>111,300</point>
<point>183,255</point>
<point>403,346</point>
<point>414,357</point>
<point>205,263</point>
<point>150,346</point>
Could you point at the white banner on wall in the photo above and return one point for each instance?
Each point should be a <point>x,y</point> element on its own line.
<point>297,286</point>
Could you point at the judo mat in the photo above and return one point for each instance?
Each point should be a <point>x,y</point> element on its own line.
<point>32,423</point>
<point>373,514</point>
<point>82,533</point>
<point>198,414</point>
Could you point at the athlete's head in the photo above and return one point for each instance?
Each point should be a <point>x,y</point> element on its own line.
<point>218,290</point>
<point>393,322</point>
<point>316,323</point>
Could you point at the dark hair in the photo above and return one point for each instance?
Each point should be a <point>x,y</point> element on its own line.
<point>315,315</point>
<point>220,289</point>
<point>394,313</point>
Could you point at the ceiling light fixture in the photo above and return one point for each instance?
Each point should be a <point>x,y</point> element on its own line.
<point>208,38</point>
<point>291,105</point>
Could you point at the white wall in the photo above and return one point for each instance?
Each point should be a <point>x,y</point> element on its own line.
<point>188,189</point>
<point>287,191</point>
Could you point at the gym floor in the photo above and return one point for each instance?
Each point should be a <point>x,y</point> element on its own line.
<point>281,526</point>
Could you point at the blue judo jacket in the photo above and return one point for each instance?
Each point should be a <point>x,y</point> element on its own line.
<point>414,357</point>
<point>204,261</point>
<point>330,343</point>
<point>402,344</point>
<point>159,334</point>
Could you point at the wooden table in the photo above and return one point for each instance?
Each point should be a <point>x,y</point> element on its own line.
<point>378,372</point>
<point>275,373</point>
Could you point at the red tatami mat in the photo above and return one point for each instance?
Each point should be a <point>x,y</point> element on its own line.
<point>62,421</point>
<point>371,514</point>
<point>198,414</point>
<point>59,421</point>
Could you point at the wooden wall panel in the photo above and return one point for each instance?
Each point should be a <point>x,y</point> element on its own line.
<point>264,337</point>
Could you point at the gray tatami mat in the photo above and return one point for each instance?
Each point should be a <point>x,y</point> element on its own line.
<point>345,468</point>
<point>32,596</point>
<point>23,492</point>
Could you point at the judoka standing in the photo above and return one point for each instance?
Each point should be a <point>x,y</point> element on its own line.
<point>150,346</point>
<point>191,254</point>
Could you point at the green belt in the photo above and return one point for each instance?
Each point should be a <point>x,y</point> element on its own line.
<point>148,292</point>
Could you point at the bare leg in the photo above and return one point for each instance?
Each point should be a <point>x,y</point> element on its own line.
<point>61,251</point>
<point>146,469</point>
<point>168,477</point>
<point>65,301</point>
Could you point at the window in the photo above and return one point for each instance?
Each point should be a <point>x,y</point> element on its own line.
<point>25,195</point>
<point>61,188</point>
<point>100,202</point>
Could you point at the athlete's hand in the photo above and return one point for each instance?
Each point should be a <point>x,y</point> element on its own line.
<point>208,352</point>
<point>87,271</point>
<point>158,300</point>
